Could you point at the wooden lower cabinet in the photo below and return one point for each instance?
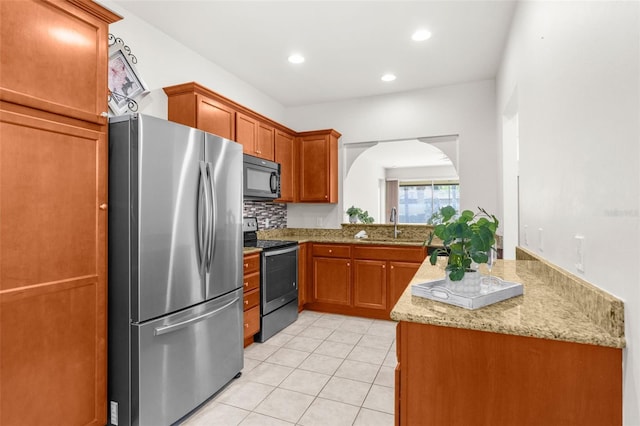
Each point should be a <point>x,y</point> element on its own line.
<point>400,275</point>
<point>251,302</point>
<point>53,290</point>
<point>303,290</point>
<point>364,280</point>
<point>332,280</point>
<point>453,376</point>
<point>370,284</point>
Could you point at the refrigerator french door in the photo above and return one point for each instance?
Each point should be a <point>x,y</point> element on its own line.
<point>175,276</point>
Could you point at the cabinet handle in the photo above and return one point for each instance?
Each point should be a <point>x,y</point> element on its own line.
<point>103,206</point>
<point>104,114</point>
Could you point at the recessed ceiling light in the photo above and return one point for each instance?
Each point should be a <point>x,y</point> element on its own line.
<point>296,59</point>
<point>388,77</point>
<point>421,35</point>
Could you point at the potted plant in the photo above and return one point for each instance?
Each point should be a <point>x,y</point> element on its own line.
<point>468,239</point>
<point>356,213</point>
<point>353,213</point>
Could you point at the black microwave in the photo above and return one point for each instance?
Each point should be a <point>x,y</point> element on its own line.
<point>261,179</point>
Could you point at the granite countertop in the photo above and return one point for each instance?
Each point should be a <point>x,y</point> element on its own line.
<point>544,311</point>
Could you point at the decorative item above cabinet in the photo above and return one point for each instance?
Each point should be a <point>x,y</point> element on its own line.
<point>310,158</point>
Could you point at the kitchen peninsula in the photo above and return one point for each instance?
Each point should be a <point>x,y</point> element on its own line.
<point>551,356</point>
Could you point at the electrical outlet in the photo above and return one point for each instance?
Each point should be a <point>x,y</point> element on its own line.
<point>525,235</point>
<point>319,222</point>
<point>579,253</point>
<point>540,240</point>
<point>266,223</point>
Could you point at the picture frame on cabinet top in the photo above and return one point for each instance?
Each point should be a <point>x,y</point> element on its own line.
<point>125,83</point>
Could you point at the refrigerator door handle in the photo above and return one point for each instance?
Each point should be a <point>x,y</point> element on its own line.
<point>213,216</point>
<point>173,327</point>
<point>203,234</point>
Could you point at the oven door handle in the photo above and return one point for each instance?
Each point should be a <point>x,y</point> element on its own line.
<point>285,250</point>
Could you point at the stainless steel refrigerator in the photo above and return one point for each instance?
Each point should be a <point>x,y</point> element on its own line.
<point>175,269</point>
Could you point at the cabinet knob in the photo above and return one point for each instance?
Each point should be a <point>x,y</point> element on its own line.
<point>391,266</point>
<point>103,206</point>
<point>246,302</point>
<point>246,284</point>
<point>383,266</point>
<point>246,265</point>
<point>326,196</point>
<point>330,251</point>
<point>246,325</point>
<point>348,264</point>
<point>104,114</point>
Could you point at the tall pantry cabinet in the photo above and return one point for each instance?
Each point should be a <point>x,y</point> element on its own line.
<point>53,212</point>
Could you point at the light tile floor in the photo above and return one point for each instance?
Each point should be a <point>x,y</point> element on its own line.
<point>322,370</point>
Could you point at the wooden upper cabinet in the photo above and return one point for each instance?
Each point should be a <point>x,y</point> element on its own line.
<point>265,142</point>
<point>190,104</point>
<point>53,56</point>
<point>285,154</point>
<point>246,133</point>
<point>215,117</point>
<point>318,166</point>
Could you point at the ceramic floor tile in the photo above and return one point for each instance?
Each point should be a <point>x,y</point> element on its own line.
<point>383,328</point>
<point>249,364</point>
<point>335,349</point>
<point>301,343</point>
<point>316,332</point>
<point>345,390</point>
<point>356,325</point>
<point>259,351</point>
<point>285,405</point>
<point>307,382</point>
<point>279,339</point>
<point>294,329</point>
<point>378,342</point>
<point>328,322</point>
<point>269,374</point>
<point>216,414</point>
<point>255,419</point>
<point>368,417</point>
<point>380,398</point>
<point>391,360</point>
<point>370,355</point>
<point>342,336</point>
<point>361,371</point>
<point>324,412</point>
<point>246,395</point>
<point>386,377</point>
<point>321,364</point>
<point>288,357</point>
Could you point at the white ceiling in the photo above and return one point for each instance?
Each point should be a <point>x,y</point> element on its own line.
<point>348,45</point>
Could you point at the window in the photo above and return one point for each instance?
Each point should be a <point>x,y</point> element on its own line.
<point>418,201</point>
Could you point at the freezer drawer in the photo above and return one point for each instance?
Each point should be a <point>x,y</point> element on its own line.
<point>187,357</point>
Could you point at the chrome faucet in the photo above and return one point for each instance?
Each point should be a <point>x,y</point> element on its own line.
<point>394,219</point>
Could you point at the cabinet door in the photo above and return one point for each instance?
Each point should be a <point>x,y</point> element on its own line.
<point>285,154</point>
<point>53,182</point>
<point>370,284</point>
<point>246,133</point>
<point>303,250</point>
<point>216,118</point>
<point>314,170</point>
<point>265,142</point>
<point>400,275</point>
<point>53,56</point>
<point>332,280</point>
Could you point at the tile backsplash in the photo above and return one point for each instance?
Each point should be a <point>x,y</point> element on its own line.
<point>270,215</point>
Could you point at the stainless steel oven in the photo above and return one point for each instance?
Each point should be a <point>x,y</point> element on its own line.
<point>278,281</point>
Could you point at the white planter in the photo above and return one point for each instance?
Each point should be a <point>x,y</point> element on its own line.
<point>469,284</point>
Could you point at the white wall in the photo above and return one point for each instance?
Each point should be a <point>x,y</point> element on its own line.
<point>162,62</point>
<point>422,173</point>
<point>361,187</point>
<point>575,69</point>
<point>467,110</point>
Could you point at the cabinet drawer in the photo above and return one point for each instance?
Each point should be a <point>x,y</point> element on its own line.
<point>251,321</point>
<point>251,299</point>
<point>332,250</point>
<point>251,263</point>
<point>251,282</point>
<point>404,254</point>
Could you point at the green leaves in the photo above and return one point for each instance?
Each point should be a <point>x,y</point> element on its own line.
<point>469,237</point>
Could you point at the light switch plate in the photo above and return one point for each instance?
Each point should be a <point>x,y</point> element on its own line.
<point>579,252</point>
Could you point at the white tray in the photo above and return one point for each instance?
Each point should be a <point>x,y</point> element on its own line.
<point>492,290</point>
